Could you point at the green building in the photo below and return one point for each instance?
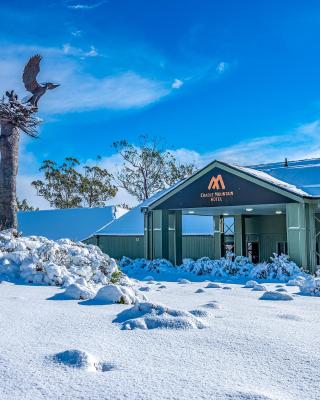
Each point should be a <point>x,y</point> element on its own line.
<point>254,211</point>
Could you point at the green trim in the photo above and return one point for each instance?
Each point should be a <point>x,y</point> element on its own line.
<point>242,174</point>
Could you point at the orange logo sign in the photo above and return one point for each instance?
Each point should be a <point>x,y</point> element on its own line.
<point>216,183</point>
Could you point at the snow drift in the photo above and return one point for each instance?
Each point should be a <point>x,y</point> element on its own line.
<point>276,296</point>
<point>79,292</point>
<point>79,359</point>
<point>39,260</point>
<point>118,294</point>
<point>146,315</point>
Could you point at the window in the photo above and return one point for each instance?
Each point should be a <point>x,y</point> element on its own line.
<point>282,248</point>
<point>227,241</point>
<point>228,226</point>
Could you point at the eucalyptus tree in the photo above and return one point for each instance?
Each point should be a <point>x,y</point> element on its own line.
<point>148,168</point>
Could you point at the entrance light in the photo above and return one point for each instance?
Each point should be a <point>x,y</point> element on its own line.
<point>190,212</point>
<point>225,214</point>
<point>249,209</point>
<point>278,212</point>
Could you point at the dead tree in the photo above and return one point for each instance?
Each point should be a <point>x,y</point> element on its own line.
<point>17,116</point>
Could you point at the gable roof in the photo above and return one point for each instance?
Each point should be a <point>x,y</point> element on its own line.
<point>258,177</point>
<point>73,223</point>
<point>132,223</point>
<point>304,174</point>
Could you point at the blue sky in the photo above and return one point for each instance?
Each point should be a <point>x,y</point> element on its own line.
<point>235,80</point>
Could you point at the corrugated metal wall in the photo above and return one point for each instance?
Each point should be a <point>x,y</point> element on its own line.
<point>196,246</point>
<point>119,246</point>
<point>267,230</point>
<point>132,246</point>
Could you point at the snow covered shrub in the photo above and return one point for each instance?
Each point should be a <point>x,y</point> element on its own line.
<point>36,259</point>
<point>310,287</point>
<point>281,268</point>
<point>219,268</point>
<point>116,276</point>
<point>202,266</point>
<point>139,264</point>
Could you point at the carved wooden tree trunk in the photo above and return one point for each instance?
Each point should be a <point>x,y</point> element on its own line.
<point>9,149</point>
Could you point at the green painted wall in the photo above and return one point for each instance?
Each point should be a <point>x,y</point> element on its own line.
<point>133,246</point>
<point>197,246</point>
<point>118,246</point>
<point>302,234</point>
<point>268,230</point>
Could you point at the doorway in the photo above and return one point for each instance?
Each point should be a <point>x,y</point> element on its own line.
<point>253,252</point>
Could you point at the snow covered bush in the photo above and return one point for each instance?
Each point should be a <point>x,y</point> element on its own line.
<point>310,287</point>
<point>281,268</point>
<point>39,260</point>
<point>157,265</point>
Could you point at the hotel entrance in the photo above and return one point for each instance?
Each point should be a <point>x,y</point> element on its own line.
<point>251,217</point>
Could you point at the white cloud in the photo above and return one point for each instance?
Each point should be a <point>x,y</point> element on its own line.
<point>76,33</point>
<point>78,52</point>
<point>93,52</point>
<point>293,145</point>
<point>85,92</point>
<point>26,191</point>
<point>221,67</point>
<point>79,90</point>
<point>86,6</point>
<point>177,83</point>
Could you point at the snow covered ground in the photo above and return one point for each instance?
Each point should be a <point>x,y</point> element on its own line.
<point>248,349</point>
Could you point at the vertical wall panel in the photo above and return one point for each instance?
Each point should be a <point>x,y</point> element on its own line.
<point>197,246</point>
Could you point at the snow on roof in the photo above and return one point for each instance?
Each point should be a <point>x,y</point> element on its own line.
<point>73,223</point>
<point>267,177</point>
<point>302,174</point>
<point>132,223</point>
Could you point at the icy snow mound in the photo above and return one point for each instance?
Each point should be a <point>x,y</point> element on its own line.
<point>145,315</point>
<point>250,284</point>
<point>183,281</point>
<point>118,294</point>
<point>281,268</point>
<point>79,292</point>
<point>213,285</point>
<point>81,360</point>
<point>259,288</point>
<point>296,282</point>
<point>278,296</point>
<point>310,287</point>
<point>38,260</point>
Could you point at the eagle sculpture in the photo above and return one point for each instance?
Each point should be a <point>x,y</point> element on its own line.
<point>29,77</point>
